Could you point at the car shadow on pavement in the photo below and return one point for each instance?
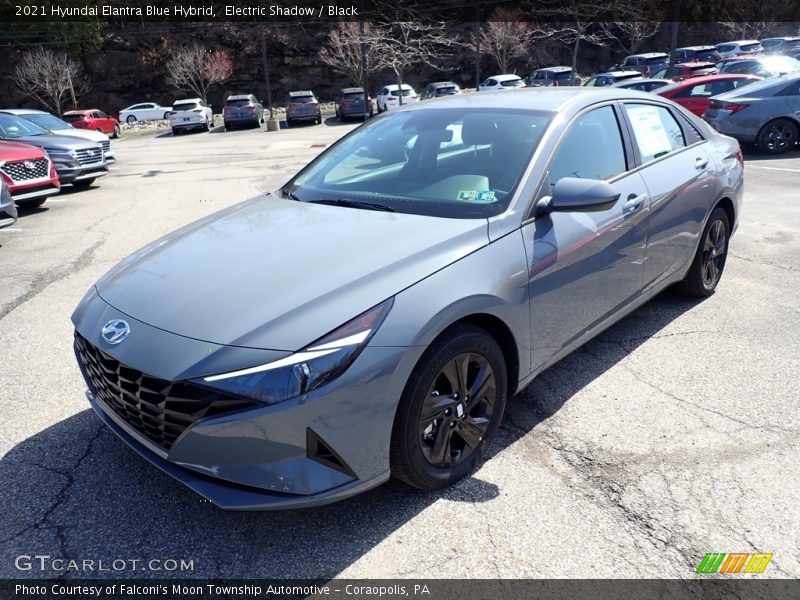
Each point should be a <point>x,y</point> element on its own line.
<point>74,490</point>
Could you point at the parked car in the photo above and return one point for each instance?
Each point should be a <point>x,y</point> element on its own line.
<point>766,66</point>
<point>779,45</point>
<point>738,48</point>
<point>686,70</point>
<point>695,94</point>
<point>439,89</point>
<point>144,111</point>
<point>8,210</point>
<point>645,64</point>
<point>79,162</point>
<point>610,78</point>
<point>696,54</point>
<point>389,97</point>
<point>401,362</point>
<point>60,127</point>
<point>794,53</point>
<point>642,84</point>
<point>28,173</point>
<point>192,113</point>
<point>303,106</point>
<point>242,109</point>
<point>350,103</point>
<point>765,112</point>
<point>95,120</point>
<point>550,76</point>
<point>501,82</point>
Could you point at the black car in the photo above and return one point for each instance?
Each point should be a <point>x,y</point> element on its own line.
<point>610,78</point>
<point>646,64</point>
<point>643,85</point>
<point>552,76</point>
<point>350,103</point>
<point>439,89</point>
<point>696,54</point>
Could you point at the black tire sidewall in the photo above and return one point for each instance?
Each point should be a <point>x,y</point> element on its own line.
<point>762,134</point>
<point>406,444</point>
<point>695,276</point>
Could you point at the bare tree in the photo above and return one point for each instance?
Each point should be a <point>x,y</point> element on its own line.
<point>343,51</point>
<point>406,39</point>
<point>197,68</point>
<point>631,33</point>
<point>48,77</point>
<point>507,36</point>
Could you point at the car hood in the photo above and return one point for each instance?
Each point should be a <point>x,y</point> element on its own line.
<point>278,274</point>
<point>56,141</point>
<point>18,151</point>
<point>86,134</point>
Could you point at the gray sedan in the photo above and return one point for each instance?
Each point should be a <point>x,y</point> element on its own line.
<point>765,112</point>
<point>372,317</point>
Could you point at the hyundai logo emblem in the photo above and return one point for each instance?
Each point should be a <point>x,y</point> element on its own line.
<point>115,331</point>
<point>29,165</point>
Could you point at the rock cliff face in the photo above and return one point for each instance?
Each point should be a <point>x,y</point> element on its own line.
<point>128,65</point>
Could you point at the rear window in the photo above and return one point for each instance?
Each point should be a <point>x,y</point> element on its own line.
<point>511,83</point>
<point>656,59</point>
<point>353,95</point>
<point>725,47</point>
<point>446,91</point>
<point>72,118</point>
<point>302,99</point>
<point>406,93</point>
<point>184,106</point>
<point>705,55</point>
<point>697,68</point>
<point>750,47</point>
<point>238,102</point>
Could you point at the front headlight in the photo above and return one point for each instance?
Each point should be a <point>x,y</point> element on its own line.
<point>317,364</point>
<point>60,151</point>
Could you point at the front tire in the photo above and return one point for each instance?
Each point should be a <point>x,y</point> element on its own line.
<point>131,119</point>
<point>31,204</point>
<point>117,132</point>
<point>709,260</point>
<point>450,410</point>
<point>83,183</point>
<point>777,136</point>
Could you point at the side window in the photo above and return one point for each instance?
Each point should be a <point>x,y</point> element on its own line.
<point>102,115</point>
<point>595,129</point>
<point>656,131</point>
<point>691,132</point>
<point>491,82</point>
<point>385,92</point>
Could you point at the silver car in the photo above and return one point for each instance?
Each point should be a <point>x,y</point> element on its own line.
<point>8,210</point>
<point>765,112</point>
<point>372,317</point>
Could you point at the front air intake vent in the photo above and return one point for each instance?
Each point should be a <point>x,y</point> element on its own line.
<point>322,453</point>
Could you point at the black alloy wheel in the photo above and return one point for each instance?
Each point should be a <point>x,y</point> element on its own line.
<point>777,136</point>
<point>708,264</point>
<point>450,410</point>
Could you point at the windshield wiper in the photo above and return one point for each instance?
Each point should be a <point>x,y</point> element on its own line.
<point>291,195</point>
<point>353,204</point>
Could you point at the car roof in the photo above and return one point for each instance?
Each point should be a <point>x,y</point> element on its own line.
<point>555,69</point>
<point>393,86</point>
<point>81,111</point>
<point>696,48</point>
<point>648,55</point>
<point>443,83</point>
<point>504,77</point>
<point>550,99</point>
<point>710,78</point>
<point>785,38</point>
<point>739,42</point>
<point>301,93</point>
<point>696,63</point>
<point>239,97</point>
<point>351,90</point>
<point>187,100</point>
<point>23,111</point>
<point>628,74</point>
<point>633,81</point>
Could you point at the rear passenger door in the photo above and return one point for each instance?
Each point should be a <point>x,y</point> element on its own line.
<point>681,183</point>
<point>585,267</point>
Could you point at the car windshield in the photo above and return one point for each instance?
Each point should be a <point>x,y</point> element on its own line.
<point>184,106</point>
<point>302,99</point>
<point>12,127</point>
<point>238,102</point>
<point>456,162</point>
<point>47,121</point>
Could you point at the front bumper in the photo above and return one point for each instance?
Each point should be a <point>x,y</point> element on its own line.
<point>303,116</point>
<point>8,214</point>
<point>69,174</point>
<point>269,456</point>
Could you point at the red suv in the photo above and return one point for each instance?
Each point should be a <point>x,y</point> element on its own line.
<point>29,173</point>
<point>93,119</point>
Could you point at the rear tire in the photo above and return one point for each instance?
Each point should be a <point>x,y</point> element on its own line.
<point>450,410</point>
<point>709,260</point>
<point>777,136</point>
<point>131,119</point>
<point>227,126</point>
<point>117,132</point>
<point>83,183</point>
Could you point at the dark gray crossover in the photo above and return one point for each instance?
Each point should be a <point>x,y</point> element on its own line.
<point>372,317</point>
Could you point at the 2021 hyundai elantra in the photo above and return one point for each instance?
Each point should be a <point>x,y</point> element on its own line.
<point>372,316</point>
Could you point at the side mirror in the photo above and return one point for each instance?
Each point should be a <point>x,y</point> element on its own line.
<point>578,195</point>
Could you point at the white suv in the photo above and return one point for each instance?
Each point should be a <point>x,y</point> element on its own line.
<point>389,97</point>
<point>739,48</point>
<point>190,114</point>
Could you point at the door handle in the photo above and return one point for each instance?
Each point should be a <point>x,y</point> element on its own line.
<point>700,163</point>
<point>634,202</point>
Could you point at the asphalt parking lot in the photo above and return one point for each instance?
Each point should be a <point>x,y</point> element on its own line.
<point>672,435</point>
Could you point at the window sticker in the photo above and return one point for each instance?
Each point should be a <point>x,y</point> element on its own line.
<point>477,196</point>
<point>649,130</point>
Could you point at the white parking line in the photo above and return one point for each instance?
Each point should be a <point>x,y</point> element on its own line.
<point>11,229</point>
<point>775,168</point>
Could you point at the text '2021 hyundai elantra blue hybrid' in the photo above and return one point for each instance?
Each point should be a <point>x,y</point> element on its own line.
<point>372,316</point>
